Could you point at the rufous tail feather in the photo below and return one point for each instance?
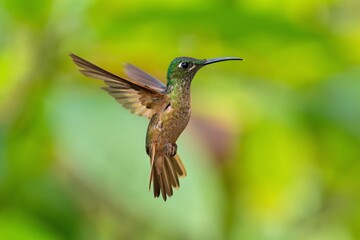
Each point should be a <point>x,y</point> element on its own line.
<point>164,174</point>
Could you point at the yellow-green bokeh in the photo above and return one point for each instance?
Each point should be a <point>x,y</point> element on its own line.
<point>272,151</point>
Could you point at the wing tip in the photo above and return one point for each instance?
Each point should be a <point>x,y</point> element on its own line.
<point>73,56</point>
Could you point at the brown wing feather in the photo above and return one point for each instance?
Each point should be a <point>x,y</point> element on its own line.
<point>137,96</point>
<point>140,76</point>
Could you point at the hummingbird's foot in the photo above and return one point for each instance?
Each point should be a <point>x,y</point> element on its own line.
<point>171,149</point>
<point>174,150</point>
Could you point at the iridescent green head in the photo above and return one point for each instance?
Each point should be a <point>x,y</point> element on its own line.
<point>184,68</point>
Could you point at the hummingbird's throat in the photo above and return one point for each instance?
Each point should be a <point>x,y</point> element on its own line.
<point>179,91</point>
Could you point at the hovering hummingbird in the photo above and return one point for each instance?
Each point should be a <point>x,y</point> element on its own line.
<point>167,107</point>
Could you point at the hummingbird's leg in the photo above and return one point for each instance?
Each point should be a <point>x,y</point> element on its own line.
<point>170,149</point>
<point>174,149</point>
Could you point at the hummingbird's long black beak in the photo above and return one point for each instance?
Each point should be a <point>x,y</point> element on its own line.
<point>220,59</point>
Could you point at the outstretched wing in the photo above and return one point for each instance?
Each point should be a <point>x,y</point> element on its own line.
<point>140,76</point>
<point>144,95</point>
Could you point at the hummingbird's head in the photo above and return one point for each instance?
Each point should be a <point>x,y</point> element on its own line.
<point>185,68</point>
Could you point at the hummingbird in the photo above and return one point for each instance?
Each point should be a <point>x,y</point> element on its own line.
<point>167,107</point>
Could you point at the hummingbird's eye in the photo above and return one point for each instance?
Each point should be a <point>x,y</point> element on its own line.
<point>184,65</point>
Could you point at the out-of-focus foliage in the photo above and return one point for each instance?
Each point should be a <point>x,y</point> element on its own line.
<point>272,152</point>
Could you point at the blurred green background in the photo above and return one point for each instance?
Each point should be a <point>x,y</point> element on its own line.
<point>272,150</point>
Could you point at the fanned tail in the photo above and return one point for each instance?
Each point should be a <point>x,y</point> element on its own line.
<point>165,173</point>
